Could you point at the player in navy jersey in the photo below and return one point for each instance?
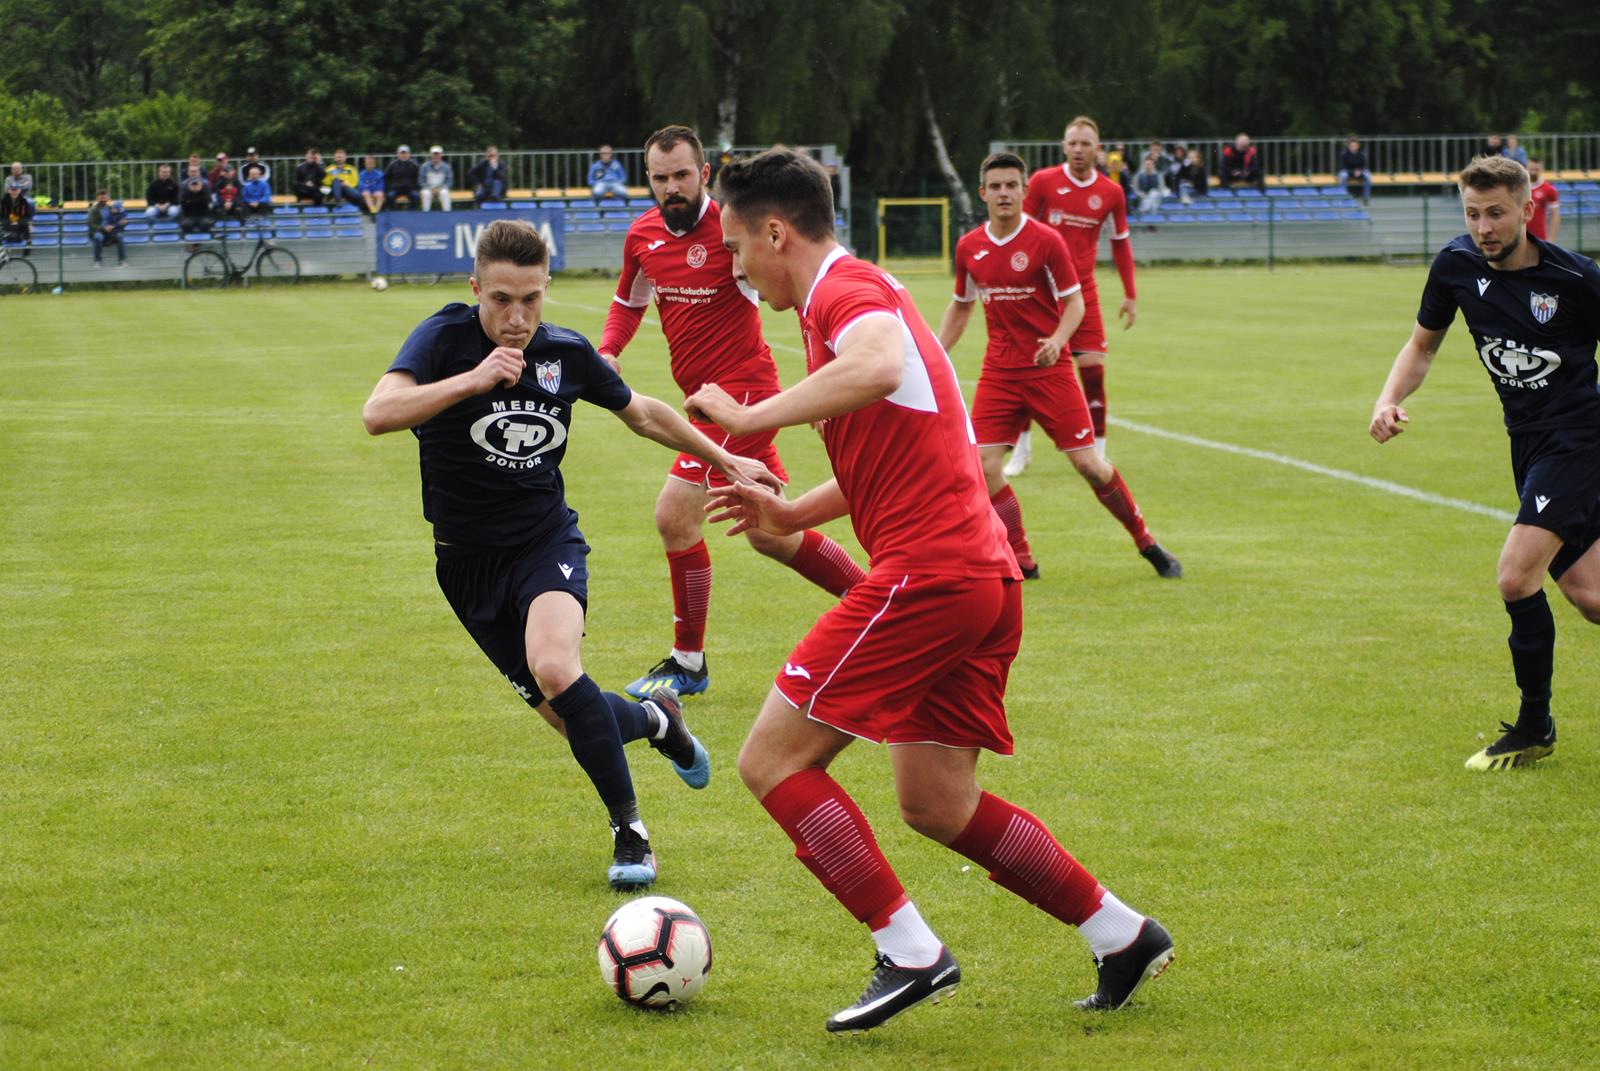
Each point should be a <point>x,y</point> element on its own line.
<point>488,391</point>
<point>1534,312</point>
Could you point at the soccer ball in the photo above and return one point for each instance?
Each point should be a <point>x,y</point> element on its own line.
<point>379,283</point>
<point>655,952</point>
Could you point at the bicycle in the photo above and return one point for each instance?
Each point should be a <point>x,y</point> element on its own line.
<point>17,274</point>
<point>209,268</point>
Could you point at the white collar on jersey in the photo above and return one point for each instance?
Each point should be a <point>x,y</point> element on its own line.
<point>1006,240</point>
<point>828,261</point>
<point>1094,176</point>
<point>705,206</point>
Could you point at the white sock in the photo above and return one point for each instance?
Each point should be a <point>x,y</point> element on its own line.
<point>907,940</point>
<point>638,827</point>
<point>1112,928</point>
<point>657,718</point>
<point>693,661</point>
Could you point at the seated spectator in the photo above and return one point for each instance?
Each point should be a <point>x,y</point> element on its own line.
<point>1116,168</point>
<point>1149,185</point>
<point>1546,221</point>
<point>400,179</point>
<point>606,177</point>
<point>19,183</point>
<point>255,196</point>
<point>344,184</point>
<point>308,176</point>
<point>724,158</point>
<point>214,176</point>
<point>1353,169</point>
<point>16,219</point>
<point>1241,165</point>
<point>225,193</point>
<point>371,186</point>
<point>1515,150</point>
<point>1192,179</point>
<point>253,159</point>
<point>1157,153</point>
<point>107,221</point>
<point>1492,146</point>
<point>194,202</point>
<point>161,196</point>
<point>437,178</point>
<point>488,178</point>
<point>1180,156</point>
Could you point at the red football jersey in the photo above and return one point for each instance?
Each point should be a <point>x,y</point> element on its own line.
<point>1543,196</point>
<point>712,322</point>
<point>1021,280</point>
<point>1077,210</point>
<point>907,464</point>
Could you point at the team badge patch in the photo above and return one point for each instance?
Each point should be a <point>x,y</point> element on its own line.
<point>1019,261</point>
<point>549,376</point>
<point>1094,201</point>
<point>697,256</point>
<point>1543,305</point>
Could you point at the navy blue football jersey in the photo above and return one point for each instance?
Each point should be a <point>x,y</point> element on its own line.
<point>1535,329</point>
<point>491,464</point>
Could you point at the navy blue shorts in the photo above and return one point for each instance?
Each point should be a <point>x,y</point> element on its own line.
<point>1558,481</point>
<point>491,588</point>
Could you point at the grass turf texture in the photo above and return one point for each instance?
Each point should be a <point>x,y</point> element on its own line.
<point>265,805</point>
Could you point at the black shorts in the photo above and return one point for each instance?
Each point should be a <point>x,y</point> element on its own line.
<point>1558,481</point>
<point>491,588</point>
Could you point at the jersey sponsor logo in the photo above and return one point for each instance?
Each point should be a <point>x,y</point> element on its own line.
<point>980,254</point>
<point>696,256</point>
<point>1019,261</point>
<point>516,433</point>
<point>566,570</point>
<point>1095,202</point>
<point>1483,284</point>
<point>657,244</point>
<point>1514,365</point>
<point>548,373</point>
<point>1540,502</point>
<point>792,670</point>
<point>1543,306</point>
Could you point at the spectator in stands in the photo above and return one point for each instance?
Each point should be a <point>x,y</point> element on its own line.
<point>1192,179</point>
<point>1492,146</point>
<point>1546,221</point>
<point>344,184</point>
<point>1515,150</point>
<point>214,176</point>
<point>308,176</point>
<point>437,178</point>
<point>107,221</point>
<point>723,158</point>
<point>1116,167</point>
<point>1180,156</point>
<point>194,202</point>
<point>400,179</point>
<point>161,196</point>
<point>488,178</point>
<point>253,159</point>
<point>255,196</point>
<point>606,177</point>
<point>1241,165</point>
<point>371,186</point>
<point>1157,153</point>
<point>16,218</point>
<point>19,183</point>
<point>225,193</point>
<point>1353,170</point>
<point>1150,185</point>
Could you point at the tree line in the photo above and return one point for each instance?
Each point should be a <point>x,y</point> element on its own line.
<point>886,80</point>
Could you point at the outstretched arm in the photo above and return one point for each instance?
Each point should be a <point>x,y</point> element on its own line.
<point>749,506</point>
<point>656,420</point>
<point>1410,369</point>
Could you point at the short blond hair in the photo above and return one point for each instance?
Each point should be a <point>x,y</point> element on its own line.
<point>1083,120</point>
<point>1494,173</point>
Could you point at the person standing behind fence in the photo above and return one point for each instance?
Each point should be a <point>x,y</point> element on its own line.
<point>606,177</point>
<point>253,159</point>
<point>19,183</point>
<point>1514,150</point>
<point>400,179</point>
<point>488,178</point>
<point>343,181</point>
<point>161,196</point>
<point>107,221</point>
<point>437,178</point>
<point>1546,220</point>
<point>372,186</point>
<point>308,178</point>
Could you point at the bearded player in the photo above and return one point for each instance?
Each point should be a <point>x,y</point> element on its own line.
<point>1032,305</point>
<point>917,653</point>
<point>674,253</point>
<point>1076,200</point>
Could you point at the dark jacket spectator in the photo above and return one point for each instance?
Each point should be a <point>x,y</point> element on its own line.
<point>1192,178</point>
<point>214,176</point>
<point>161,196</point>
<point>400,178</point>
<point>488,177</point>
<point>308,176</point>
<point>1241,164</point>
<point>1353,170</point>
<point>107,221</point>
<point>16,218</point>
<point>225,193</point>
<point>194,204</point>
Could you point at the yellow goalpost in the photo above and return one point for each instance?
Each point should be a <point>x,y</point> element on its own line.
<point>914,262</point>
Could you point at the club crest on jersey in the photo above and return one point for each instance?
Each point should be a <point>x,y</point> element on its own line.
<point>697,256</point>
<point>1094,201</point>
<point>1543,306</point>
<point>1019,261</point>
<point>549,376</point>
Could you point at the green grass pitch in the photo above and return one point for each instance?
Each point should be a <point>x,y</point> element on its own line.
<point>263,804</point>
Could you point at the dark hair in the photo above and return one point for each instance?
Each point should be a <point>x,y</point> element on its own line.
<point>1493,173</point>
<point>996,161</point>
<point>783,183</point>
<point>669,137</point>
<point>512,241</point>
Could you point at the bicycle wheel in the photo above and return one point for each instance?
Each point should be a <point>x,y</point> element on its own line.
<point>278,266</point>
<point>205,269</point>
<point>17,276</point>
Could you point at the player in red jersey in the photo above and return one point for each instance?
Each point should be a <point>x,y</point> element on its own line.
<point>1032,305</point>
<point>915,655</point>
<point>1076,200</point>
<point>1546,221</point>
<point>674,253</point>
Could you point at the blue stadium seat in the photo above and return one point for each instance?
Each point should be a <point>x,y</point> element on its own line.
<point>1353,213</point>
<point>583,214</point>
<point>591,228</point>
<point>528,204</point>
<point>75,240</point>
<point>349,232</point>
<point>319,232</point>
<point>1180,217</point>
<point>1307,191</point>
<point>618,226</point>
<point>164,236</point>
<point>44,241</point>
<point>1248,192</point>
<point>1586,187</point>
<point>1334,191</point>
<point>74,217</point>
<point>345,208</point>
<point>1220,191</point>
<point>641,202</point>
<point>1278,191</point>
<point>1296,216</point>
<point>1241,217</point>
<point>493,206</point>
<point>1315,202</point>
<point>1326,214</point>
<point>1202,204</point>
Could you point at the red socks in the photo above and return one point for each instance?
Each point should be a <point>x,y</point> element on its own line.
<point>691,596</point>
<point>825,563</point>
<point>1118,501</point>
<point>832,838</point>
<point>1021,855</point>
<point>1094,390</point>
<point>1010,510</point>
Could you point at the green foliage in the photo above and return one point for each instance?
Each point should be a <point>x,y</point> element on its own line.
<point>164,126</point>
<point>36,126</point>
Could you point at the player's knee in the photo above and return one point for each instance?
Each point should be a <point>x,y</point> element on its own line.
<point>1516,582</point>
<point>554,674</point>
<point>779,547</point>
<point>1092,467</point>
<point>677,530</point>
<point>933,817</point>
<point>757,769</point>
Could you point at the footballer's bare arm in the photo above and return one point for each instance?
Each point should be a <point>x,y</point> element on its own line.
<point>399,402</point>
<point>1410,369</point>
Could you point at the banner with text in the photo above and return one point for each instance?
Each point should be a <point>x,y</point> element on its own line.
<point>437,243</point>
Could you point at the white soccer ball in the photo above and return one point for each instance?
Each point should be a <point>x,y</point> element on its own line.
<point>379,283</point>
<point>655,952</point>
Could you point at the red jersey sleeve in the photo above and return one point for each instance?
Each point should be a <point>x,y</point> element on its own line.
<point>966,289</point>
<point>628,305</point>
<point>1119,213</point>
<point>837,307</point>
<point>1033,200</point>
<point>1121,248</point>
<point>1059,263</point>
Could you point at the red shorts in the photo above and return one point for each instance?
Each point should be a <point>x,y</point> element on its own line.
<point>690,469</point>
<point>907,660</point>
<point>1003,406</point>
<point>1090,337</point>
